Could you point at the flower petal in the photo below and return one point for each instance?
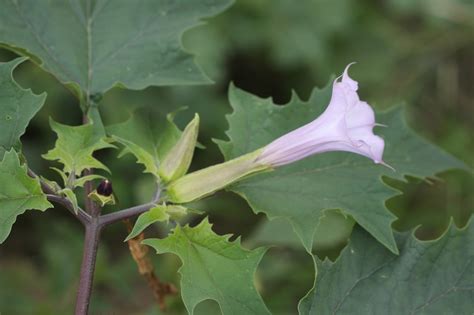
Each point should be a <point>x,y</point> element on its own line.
<point>346,79</point>
<point>346,125</point>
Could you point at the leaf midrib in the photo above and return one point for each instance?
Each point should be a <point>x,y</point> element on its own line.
<point>90,71</point>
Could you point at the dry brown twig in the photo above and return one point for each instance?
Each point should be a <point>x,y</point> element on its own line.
<point>139,253</point>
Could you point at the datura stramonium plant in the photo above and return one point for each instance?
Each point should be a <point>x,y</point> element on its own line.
<point>346,125</point>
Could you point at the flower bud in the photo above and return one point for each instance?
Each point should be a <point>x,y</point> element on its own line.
<point>204,182</point>
<point>177,161</point>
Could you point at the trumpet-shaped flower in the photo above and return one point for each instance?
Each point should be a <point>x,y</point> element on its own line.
<point>345,125</point>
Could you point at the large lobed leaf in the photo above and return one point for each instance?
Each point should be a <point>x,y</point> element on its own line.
<point>75,146</point>
<point>434,277</point>
<point>17,107</point>
<point>214,268</point>
<point>300,192</point>
<point>96,44</point>
<point>18,192</point>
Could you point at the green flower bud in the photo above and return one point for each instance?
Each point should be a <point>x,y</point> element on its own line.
<point>177,161</point>
<point>204,182</point>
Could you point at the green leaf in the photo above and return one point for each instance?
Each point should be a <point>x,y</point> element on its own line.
<point>72,198</point>
<point>434,277</point>
<point>63,175</point>
<point>159,213</point>
<point>17,108</point>
<point>18,192</point>
<point>101,44</point>
<point>94,117</point>
<point>155,214</point>
<point>75,146</point>
<point>214,268</point>
<point>333,229</point>
<point>148,135</point>
<point>300,192</point>
<point>82,180</point>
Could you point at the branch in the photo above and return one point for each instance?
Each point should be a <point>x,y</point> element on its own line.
<point>44,186</point>
<point>92,208</point>
<point>124,214</point>
<point>91,244</point>
<point>129,212</point>
<point>81,215</point>
<point>89,256</point>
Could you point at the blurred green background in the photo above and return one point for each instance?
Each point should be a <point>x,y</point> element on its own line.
<point>416,52</point>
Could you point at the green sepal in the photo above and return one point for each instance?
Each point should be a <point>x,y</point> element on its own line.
<point>102,200</point>
<point>177,161</point>
<point>204,182</point>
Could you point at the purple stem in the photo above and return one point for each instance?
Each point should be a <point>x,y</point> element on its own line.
<point>81,215</point>
<point>124,214</point>
<point>93,223</point>
<point>129,212</point>
<point>94,226</point>
<point>91,244</point>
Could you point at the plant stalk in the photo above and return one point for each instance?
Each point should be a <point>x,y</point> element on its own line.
<point>81,215</point>
<point>91,245</point>
<point>113,217</point>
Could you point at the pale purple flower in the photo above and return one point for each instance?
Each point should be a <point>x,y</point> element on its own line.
<point>345,125</point>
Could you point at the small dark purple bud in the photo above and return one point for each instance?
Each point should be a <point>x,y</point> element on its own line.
<point>105,188</point>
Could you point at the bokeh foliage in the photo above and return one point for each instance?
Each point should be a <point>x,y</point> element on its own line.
<point>419,52</point>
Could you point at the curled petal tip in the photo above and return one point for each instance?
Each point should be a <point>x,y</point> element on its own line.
<point>349,65</point>
<point>386,165</point>
<point>347,79</point>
